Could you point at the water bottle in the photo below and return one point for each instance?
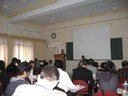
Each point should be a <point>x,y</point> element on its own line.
<point>125,91</point>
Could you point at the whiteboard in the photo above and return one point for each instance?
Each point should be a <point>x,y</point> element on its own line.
<point>93,42</point>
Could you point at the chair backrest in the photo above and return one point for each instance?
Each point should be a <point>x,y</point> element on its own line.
<point>122,73</point>
<point>122,80</point>
<point>82,83</point>
<point>106,93</point>
<point>120,85</point>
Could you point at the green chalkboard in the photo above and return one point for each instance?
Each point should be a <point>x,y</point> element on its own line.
<point>69,51</point>
<point>116,49</point>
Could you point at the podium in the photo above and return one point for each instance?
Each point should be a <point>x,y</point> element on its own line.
<point>59,57</point>
<point>62,58</point>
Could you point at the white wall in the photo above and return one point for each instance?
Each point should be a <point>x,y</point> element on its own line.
<point>118,22</point>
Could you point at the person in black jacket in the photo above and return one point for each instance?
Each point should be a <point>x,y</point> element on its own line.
<point>12,68</point>
<point>82,73</point>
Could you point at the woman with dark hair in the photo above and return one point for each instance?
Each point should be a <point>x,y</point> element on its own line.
<point>108,79</point>
<point>33,72</point>
<point>21,74</point>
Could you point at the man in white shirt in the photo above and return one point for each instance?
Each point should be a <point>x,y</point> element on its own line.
<point>44,86</point>
<point>65,82</point>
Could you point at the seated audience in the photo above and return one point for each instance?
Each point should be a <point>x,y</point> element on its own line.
<point>18,62</point>
<point>65,82</point>
<point>102,67</point>
<point>33,72</point>
<point>95,64</point>
<point>3,76</point>
<point>83,57</point>
<point>82,73</point>
<point>50,63</point>
<point>108,79</point>
<point>37,63</point>
<point>12,68</point>
<point>22,73</point>
<point>92,68</point>
<point>48,80</point>
<point>123,72</point>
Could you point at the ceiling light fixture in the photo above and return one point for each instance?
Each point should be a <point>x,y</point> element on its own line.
<point>51,21</point>
<point>24,1</point>
<point>5,4</point>
<point>114,8</point>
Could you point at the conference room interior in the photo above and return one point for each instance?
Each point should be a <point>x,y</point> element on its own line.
<point>102,36</point>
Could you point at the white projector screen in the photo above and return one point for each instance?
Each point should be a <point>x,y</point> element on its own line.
<point>93,42</point>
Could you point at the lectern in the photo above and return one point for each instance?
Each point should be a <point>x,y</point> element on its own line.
<point>62,58</point>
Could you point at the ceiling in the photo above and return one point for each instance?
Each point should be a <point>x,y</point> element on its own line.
<point>45,12</point>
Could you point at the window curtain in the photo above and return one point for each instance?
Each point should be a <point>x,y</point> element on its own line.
<point>23,50</point>
<point>3,49</point>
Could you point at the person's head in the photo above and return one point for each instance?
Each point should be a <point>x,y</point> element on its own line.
<point>124,63</point>
<point>103,65</point>
<point>62,51</point>
<point>45,63</point>
<point>91,61</point>
<point>14,60</point>
<point>95,64</point>
<point>32,63</point>
<point>51,74</point>
<point>110,66</point>
<point>18,61</point>
<point>50,61</point>
<point>23,69</point>
<point>59,64</point>
<point>36,60</point>
<point>82,57</point>
<point>2,66</point>
<point>84,62</point>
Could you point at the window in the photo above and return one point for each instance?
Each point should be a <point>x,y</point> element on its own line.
<point>3,49</point>
<point>23,50</point>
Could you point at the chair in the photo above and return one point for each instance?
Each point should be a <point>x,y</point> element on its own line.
<point>106,93</point>
<point>120,83</point>
<point>82,83</point>
<point>122,80</point>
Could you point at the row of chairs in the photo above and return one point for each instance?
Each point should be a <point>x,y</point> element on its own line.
<point>84,91</point>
